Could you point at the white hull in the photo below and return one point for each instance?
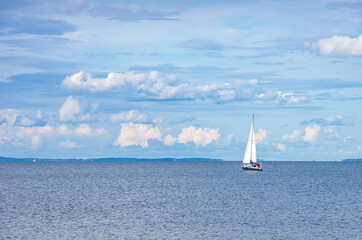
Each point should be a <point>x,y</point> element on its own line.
<point>250,167</point>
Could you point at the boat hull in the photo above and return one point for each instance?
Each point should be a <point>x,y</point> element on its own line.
<point>252,169</point>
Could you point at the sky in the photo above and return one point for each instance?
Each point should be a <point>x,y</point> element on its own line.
<point>150,79</point>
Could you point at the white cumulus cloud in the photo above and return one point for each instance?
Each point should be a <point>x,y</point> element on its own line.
<point>200,136</point>
<point>23,132</point>
<point>83,80</point>
<point>73,111</point>
<point>20,131</point>
<point>137,134</point>
<point>24,136</point>
<point>157,86</point>
<point>261,135</point>
<point>8,116</point>
<point>339,46</point>
<point>311,133</point>
<point>169,140</point>
<point>83,130</point>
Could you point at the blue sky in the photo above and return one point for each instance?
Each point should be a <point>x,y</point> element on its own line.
<point>180,78</point>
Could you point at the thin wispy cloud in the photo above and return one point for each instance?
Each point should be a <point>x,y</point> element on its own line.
<point>131,116</point>
<point>329,121</point>
<point>201,44</point>
<point>17,23</point>
<point>37,62</point>
<point>131,13</point>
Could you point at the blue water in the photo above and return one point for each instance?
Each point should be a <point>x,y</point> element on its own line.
<point>180,200</point>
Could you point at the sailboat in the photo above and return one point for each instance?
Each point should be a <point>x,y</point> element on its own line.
<point>250,163</point>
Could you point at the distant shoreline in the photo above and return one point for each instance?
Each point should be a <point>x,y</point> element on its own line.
<point>11,159</point>
<point>352,160</point>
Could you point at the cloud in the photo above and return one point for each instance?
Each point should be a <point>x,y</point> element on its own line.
<point>24,121</point>
<point>27,121</point>
<point>293,137</point>
<point>339,46</point>
<point>279,97</point>
<point>18,129</point>
<point>201,44</point>
<point>157,86</point>
<point>169,140</point>
<point>311,133</point>
<point>200,136</point>
<point>331,133</point>
<point>41,6</point>
<point>83,130</point>
<point>133,134</point>
<point>152,83</point>
<point>261,135</point>
<point>36,45</point>
<point>328,121</point>
<point>131,13</point>
<point>12,22</point>
<point>35,142</point>
<point>20,118</point>
<point>101,131</point>
<point>137,134</point>
<point>9,116</point>
<point>171,68</point>
<point>226,140</point>
<point>36,62</point>
<point>281,147</point>
<point>63,129</point>
<point>31,131</point>
<point>67,144</point>
<point>131,116</point>
<point>73,111</point>
<point>20,136</point>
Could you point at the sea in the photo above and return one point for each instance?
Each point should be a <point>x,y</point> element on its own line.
<point>180,200</point>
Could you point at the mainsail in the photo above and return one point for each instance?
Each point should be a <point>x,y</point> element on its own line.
<point>250,151</point>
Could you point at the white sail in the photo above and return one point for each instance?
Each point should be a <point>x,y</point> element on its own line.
<point>250,151</point>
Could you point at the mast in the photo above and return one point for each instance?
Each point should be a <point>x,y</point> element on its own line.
<point>252,138</point>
